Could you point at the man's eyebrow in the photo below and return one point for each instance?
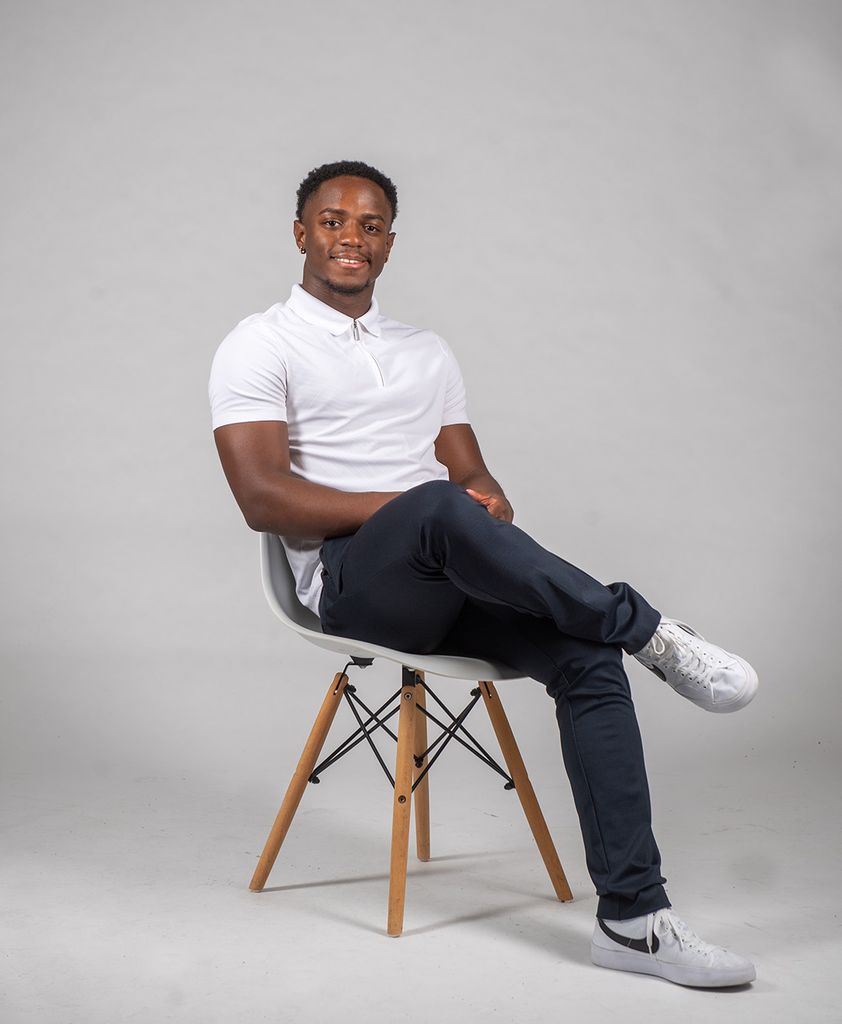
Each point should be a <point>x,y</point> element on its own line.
<point>344,213</point>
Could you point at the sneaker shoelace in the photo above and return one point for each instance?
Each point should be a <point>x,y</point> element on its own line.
<point>682,655</point>
<point>665,922</point>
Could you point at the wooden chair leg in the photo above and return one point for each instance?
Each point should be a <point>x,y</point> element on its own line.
<point>421,796</point>
<point>401,809</point>
<point>298,783</point>
<point>524,789</point>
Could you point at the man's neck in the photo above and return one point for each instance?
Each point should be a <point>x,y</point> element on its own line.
<point>355,305</point>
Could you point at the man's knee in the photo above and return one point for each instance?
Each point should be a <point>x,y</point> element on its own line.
<point>435,498</point>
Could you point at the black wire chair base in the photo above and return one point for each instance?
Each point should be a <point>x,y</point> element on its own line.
<point>378,720</point>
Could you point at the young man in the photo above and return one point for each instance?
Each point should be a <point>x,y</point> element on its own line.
<point>345,432</point>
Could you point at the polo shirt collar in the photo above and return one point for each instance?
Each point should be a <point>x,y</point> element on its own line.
<point>319,314</point>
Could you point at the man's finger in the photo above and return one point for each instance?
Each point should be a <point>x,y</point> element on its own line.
<point>482,498</point>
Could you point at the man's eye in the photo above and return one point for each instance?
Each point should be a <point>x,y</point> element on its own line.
<point>330,223</point>
<point>372,228</point>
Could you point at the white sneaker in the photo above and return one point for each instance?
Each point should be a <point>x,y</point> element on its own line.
<point>663,945</point>
<point>700,671</point>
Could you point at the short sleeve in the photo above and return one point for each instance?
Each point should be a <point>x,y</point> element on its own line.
<point>248,380</point>
<point>455,404</point>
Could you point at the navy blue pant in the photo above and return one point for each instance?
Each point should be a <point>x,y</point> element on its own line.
<point>433,571</point>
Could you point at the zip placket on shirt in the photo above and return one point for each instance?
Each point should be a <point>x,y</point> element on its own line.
<point>381,381</point>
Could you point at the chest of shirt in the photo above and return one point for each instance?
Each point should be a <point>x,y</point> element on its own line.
<point>334,382</point>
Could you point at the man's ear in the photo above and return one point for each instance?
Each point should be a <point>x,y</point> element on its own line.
<point>298,233</point>
<point>389,242</point>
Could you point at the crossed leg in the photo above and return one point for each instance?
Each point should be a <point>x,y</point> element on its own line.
<point>432,571</point>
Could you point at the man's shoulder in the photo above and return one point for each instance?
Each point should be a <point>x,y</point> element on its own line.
<point>398,329</point>
<point>256,341</point>
<point>270,321</point>
<point>266,329</point>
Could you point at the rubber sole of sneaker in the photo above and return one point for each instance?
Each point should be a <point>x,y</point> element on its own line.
<point>694,977</point>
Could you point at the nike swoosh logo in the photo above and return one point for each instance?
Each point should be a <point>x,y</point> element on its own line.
<point>639,945</point>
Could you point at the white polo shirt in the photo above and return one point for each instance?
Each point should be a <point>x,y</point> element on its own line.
<point>364,401</point>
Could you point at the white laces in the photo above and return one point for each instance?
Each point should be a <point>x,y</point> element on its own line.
<point>665,922</point>
<point>682,655</point>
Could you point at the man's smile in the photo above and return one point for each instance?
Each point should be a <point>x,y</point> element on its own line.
<point>350,261</point>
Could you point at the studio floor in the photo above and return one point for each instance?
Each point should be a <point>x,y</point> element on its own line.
<point>126,899</point>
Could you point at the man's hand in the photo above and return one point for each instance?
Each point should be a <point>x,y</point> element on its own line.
<point>497,504</point>
<point>458,449</point>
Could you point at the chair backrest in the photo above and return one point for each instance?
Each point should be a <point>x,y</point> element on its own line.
<point>279,586</point>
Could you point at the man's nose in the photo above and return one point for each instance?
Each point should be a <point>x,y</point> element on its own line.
<point>351,234</point>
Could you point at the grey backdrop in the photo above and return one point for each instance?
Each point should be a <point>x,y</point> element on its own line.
<point>625,219</point>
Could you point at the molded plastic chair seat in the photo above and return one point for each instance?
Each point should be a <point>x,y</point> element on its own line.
<point>279,587</point>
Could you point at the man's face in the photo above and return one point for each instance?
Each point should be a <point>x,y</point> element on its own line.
<point>345,229</point>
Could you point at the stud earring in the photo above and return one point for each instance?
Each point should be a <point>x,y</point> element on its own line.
<point>301,249</point>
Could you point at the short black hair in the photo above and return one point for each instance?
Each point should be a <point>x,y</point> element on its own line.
<point>354,168</point>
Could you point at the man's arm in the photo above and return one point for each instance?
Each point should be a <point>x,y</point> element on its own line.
<point>458,449</point>
<point>255,457</point>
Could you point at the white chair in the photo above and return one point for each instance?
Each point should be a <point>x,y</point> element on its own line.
<point>412,762</point>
